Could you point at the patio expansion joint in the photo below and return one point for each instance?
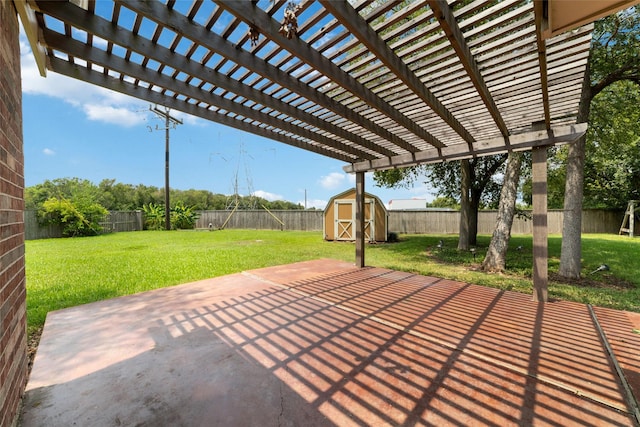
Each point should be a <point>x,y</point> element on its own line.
<point>631,400</point>
<point>631,409</point>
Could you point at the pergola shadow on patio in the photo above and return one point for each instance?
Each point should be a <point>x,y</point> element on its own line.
<point>325,343</point>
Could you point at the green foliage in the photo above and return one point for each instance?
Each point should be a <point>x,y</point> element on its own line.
<point>614,49</point>
<point>116,196</point>
<point>612,168</point>
<point>399,177</point>
<point>80,191</point>
<point>153,217</point>
<point>445,178</point>
<point>75,219</point>
<point>183,217</point>
<point>444,202</point>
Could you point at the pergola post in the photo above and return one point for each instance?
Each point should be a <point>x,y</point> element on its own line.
<point>360,219</point>
<point>540,230</point>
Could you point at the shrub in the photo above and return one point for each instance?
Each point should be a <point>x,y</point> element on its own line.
<point>153,216</point>
<point>183,217</point>
<point>75,219</point>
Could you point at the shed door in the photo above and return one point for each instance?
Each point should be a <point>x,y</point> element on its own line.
<point>345,219</point>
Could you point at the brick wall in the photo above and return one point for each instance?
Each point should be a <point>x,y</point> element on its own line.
<point>13,340</point>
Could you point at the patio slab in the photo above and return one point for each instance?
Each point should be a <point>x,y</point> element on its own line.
<point>323,343</point>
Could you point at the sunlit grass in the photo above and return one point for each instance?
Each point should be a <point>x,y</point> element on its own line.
<point>67,272</point>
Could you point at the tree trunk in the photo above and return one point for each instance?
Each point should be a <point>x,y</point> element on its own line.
<point>571,249</point>
<point>496,258</point>
<point>473,217</point>
<point>465,206</point>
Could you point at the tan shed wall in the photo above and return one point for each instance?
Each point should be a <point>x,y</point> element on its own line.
<point>381,217</point>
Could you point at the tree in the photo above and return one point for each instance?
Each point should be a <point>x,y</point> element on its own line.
<point>613,57</point>
<point>72,203</point>
<point>116,196</point>
<point>183,217</point>
<point>79,191</point>
<point>495,260</point>
<point>470,181</point>
<point>612,169</point>
<point>76,219</point>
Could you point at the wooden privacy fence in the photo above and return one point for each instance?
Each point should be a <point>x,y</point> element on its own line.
<point>405,222</point>
<point>401,222</point>
<point>113,222</point>
<point>262,220</point>
<point>448,222</point>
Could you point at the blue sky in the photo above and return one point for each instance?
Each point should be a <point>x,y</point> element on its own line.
<point>73,129</point>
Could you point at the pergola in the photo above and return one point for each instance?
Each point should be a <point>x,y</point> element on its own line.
<point>375,84</point>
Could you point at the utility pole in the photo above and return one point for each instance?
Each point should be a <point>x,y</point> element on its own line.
<point>169,123</point>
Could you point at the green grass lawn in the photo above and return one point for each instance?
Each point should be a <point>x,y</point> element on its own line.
<point>67,272</point>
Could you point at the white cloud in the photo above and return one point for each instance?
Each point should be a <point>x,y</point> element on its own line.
<point>268,196</point>
<point>115,115</point>
<point>333,180</point>
<point>49,152</point>
<point>97,103</point>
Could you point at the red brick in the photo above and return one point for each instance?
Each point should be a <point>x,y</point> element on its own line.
<point>13,357</point>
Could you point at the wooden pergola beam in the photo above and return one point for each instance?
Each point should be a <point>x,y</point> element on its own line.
<point>120,65</point>
<point>541,27</point>
<point>250,13</point>
<point>100,79</point>
<point>540,227</point>
<point>351,19</point>
<point>163,55</point>
<point>561,134</point>
<point>176,22</point>
<point>444,15</point>
<point>30,25</point>
<point>360,220</point>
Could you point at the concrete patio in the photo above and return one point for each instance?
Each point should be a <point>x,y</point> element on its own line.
<point>323,343</point>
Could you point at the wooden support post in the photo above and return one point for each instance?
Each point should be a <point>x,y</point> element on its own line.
<point>540,230</point>
<point>360,219</point>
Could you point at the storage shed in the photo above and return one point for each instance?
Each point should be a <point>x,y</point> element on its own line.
<point>340,218</point>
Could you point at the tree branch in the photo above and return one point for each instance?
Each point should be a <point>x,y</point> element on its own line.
<point>629,72</point>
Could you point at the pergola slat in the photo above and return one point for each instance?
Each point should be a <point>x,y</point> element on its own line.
<point>268,27</point>
<point>367,36</point>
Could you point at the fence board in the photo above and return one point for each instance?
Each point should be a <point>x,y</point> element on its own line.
<point>262,220</point>
<point>447,222</point>
<point>33,230</point>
